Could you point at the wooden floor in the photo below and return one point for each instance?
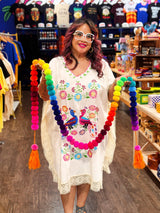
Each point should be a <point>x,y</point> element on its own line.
<point>25,191</point>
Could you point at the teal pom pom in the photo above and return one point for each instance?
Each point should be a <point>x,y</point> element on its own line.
<point>50,87</point>
<point>132,84</point>
<point>130,79</point>
<point>51,92</point>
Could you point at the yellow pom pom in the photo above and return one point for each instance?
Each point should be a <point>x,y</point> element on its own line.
<point>47,72</point>
<point>116,98</point>
<point>35,62</point>
<point>45,66</point>
<point>114,104</point>
<point>41,62</point>
<point>116,93</point>
<point>117,88</point>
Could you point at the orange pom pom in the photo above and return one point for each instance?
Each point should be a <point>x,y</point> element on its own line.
<point>138,162</point>
<point>35,62</point>
<point>34,162</point>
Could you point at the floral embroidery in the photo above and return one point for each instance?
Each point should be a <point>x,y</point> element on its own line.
<point>70,153</point>
<point>63,94</point>
<point>77,97</point>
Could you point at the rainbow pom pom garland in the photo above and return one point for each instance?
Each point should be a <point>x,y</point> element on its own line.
<point>111,113</point>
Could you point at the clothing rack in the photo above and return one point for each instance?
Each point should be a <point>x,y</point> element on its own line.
<point>11,35</point>
<point>16,88</point>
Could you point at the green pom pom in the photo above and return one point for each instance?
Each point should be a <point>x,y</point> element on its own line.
<point>130,79</point>
<point>120,83</point>
<point>123,78</point>
<point>48,77</point>
<point>49,82</point>
<point>50,87</point>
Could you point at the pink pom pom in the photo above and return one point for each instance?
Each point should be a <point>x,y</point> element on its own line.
<point>69,138</point>
<point>81,145</point>
<point>35,117</point>
<point>76,143</point>
<point>85,146</point>
<point>137,148</point>
<point>34,147</point>
<point>72,141</point>
<point>34,108</point>
<point>34,126</point>
<point>35,121</point>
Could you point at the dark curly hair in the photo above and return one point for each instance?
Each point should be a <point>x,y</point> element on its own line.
<point>94,56</point>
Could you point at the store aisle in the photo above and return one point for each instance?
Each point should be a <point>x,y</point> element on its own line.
<point>25,191</point>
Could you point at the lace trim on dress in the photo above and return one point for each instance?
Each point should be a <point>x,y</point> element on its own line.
<point>75,181</point>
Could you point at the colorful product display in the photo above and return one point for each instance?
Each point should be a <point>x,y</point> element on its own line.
<point>110,117</point>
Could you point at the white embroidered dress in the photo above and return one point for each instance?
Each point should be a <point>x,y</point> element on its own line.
<point>84,105</point>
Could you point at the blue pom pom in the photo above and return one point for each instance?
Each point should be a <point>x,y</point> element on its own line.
<point>132,89</point>
<point>133,98</point>
<point>133,104</point>
<point>53,97</point>
<point>132,93</point>
<point>57,112</point>
<point>55,107</point>
<point>54,102</point>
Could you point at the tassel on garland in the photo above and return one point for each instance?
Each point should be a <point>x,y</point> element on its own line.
<point>34,162</point>
<point>138,162</point>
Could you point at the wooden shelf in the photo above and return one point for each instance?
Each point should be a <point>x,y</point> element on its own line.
<point>145,158</point>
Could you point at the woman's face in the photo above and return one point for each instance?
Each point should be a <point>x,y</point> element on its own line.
<point>81,44</point>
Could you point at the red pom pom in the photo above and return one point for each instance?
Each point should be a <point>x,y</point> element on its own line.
<point>100,136</point>
<point>90,145</point>
<point>34,78</point>
<point>34,89</point>
<point>106,127</point>
<point>103,132</point>
<point>108,123</point>
<point>33,72</point>
<point>34,98</point>
<point>112,113</point>
<point>34,94</point>
<point>98,140</point>
<point>34,83</point>
<point>94,142</point>
<point>110,118</point>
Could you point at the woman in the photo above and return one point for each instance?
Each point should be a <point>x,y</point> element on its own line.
<point>84,86</point>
